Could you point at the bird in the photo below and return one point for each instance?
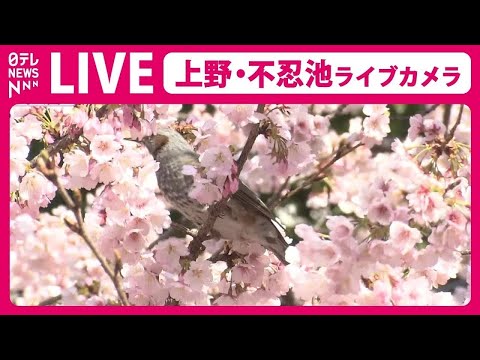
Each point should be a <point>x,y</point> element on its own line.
<point>245,217</point>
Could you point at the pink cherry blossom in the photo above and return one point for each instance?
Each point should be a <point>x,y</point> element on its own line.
<point>218,160</point>
<point>320,125</point>
<point>340,228</point>
<point>168,252</point>
<point>30,128</point>
<point>299,156</point>
<point>429,204</point>
<point>79,118</point>
<point>91,128</point>
<point>142,204</point>
<point>239,114</point>
<point>278,283</point>
<point>383,226</point>
<point>166,113</point>
<point>376,126</point>
<point>412,292</point>
<point>18,147</point>
<point>456,219</point>
<point>104,147</point>
<point>77,162</point>
<point>205,192</point>
<point>17,169</point>
<point>309,285</point>
<point>371,109</point>
<point>416,127</point>
<point>403,237</point>
<point>134,241</point>
<point>199,275</point>
<point>247,274</point>
<point>433,128</point>
<point>36,190</point>
<point>106,172</point>
<point>315,251</point>
<point>380,212</point>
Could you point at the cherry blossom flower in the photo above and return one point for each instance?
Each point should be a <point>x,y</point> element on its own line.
<point>371,109</point>
<point>199,275</point>
<point>104,147</point>
<point>376,126</point>
<point>30,128</point>
<point>18,147</point>
<point>106,172</point>
<point>412,292</point>
<point>315,251</point>
<point>134,241</point>
<point>78,163</point>
<point>416,127</point>
<point>340,228</point>
<point>403,237</point>
<point>205,192</point>
<point>79,118</point>
<point>36,190</point>
<point>379,227</point>
<point>433,128</point>
<point>168,252</point>
<point>239,114</point>
<point>380,212</point>
<point>218,161</point>
<point>456,219</point>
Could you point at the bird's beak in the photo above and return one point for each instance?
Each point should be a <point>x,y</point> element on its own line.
<point>141,142</point>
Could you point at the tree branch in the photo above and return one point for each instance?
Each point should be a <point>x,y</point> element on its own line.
<point>429,110</point>
<point>173,225</point>
<point>317,175</point>
<point>50,301</point>
<point>196,247</point>
<point>277,195</point>
<point>75,206</point>
<point>446,116</point>
<point>70,138</point>
<point>454,128</point>
<point>57,146</point>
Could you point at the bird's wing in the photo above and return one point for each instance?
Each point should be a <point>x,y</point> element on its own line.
<point>244,194</point>
<point>250,199</point>
<point>191,158</point>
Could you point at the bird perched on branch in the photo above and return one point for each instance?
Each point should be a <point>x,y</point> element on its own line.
<point>245,218</point>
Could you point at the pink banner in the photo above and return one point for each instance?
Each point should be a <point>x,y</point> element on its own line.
<point>246,74</point>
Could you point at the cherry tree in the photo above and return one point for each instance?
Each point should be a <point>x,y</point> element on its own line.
<point>370,219</point>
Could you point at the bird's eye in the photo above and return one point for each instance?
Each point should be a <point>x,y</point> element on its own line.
<point>158,142</point>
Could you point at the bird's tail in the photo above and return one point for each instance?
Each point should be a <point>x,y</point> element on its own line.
<point>278,246</point>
